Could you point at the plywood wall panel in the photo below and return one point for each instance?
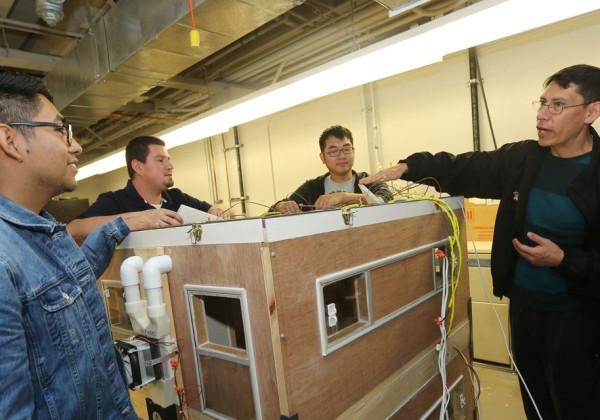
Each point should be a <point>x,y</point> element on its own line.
<point>324,386</point>
<point>237,265</point>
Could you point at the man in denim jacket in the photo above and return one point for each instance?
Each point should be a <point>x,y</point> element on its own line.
<point>57,357</point>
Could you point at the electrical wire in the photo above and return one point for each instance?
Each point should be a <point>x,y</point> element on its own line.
<point>174,363</point>
<point>456,255</point>
<point>441,347</point>
<point>247,201</point>
<point>309,206</point>
<point>487,109</point>
<point>489,299</point>
<point>475,381</point>
<point>451,270</point>
<point>192,14</point>
<point>454,246</point>
<point>453,239</point>
<point>180,391</point>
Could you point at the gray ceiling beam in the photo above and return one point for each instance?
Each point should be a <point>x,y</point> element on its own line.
<point>5,6</point>
<point>24,60</point>
<point>37,29</point>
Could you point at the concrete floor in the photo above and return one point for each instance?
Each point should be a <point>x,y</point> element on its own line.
<point>500,397</point>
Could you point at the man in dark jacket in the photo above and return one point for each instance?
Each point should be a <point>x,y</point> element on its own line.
<point>339,186</point>
<point>546,248</point>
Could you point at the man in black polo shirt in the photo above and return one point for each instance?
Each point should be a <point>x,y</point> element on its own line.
<point>147,197</point>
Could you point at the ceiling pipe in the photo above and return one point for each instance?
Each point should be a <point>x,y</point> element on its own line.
<point>50,11</point>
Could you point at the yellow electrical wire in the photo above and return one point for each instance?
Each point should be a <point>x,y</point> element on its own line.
<point>270,213</point>
<point>454,242</point>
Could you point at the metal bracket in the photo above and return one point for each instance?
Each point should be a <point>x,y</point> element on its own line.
<point>160,359</point>
<point>244,198</point>
<point>237,146</point>
<point>348,214</point>
<point>195,233</point>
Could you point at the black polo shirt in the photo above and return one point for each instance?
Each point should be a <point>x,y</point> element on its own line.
<point>128,200</point>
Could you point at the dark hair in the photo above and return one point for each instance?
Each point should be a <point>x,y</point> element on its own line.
<point>138,149</point>
<point>335,131</point>
<point>19,98</point>
<point>586,79</point>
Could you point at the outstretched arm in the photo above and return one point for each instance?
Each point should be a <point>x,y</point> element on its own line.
<point>388,174</point>
<point>147,219</point>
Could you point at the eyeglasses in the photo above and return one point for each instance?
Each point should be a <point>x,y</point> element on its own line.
<point>335,152</point>
<point>64,127</point>
<point>555,108</point>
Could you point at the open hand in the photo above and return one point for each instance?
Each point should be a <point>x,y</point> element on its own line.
<point>333,200</point>
<point>388,174</point>
<point>150,219</point>
<point>216,211</point>
<point>287,207</point>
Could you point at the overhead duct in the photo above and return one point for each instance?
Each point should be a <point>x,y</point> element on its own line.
<point>135,47</point>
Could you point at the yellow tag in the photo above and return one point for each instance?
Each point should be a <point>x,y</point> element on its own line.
<point>195,38</point>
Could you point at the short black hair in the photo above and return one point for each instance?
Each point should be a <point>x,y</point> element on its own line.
<point>336,131</point>
<point>586,78</point>
<point>19,99</point>
<point>138,149</point>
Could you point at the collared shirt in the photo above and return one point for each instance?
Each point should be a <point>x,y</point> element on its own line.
<point>128,199</point>
<point>57,356</point>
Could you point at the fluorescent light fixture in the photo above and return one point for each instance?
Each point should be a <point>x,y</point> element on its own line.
<point>406,6</point>
<point>485,21</point>
<point>106,164</point>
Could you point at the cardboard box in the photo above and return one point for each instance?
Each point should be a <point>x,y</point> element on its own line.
<point>480,220</point>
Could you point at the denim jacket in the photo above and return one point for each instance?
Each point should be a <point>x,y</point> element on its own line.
<point>57,356</point>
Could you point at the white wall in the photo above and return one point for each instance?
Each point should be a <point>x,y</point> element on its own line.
<point>90,188</point>
<point>426,109</point>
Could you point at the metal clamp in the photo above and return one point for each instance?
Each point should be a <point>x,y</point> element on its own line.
<point>160,359</point>
<point>348,213</point>
<point>195,233</point>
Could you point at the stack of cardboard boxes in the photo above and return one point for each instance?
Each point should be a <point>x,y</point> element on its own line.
<point>488,340</point>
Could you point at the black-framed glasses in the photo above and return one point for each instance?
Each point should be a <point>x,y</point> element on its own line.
<point>555,108</point>
<point>335,152</point>
<point>64,127</point>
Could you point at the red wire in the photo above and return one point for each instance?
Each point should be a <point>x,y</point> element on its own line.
<point>192,14</point>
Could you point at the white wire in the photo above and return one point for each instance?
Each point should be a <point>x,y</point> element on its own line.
<point>489,300</point>
<point>443,336</point>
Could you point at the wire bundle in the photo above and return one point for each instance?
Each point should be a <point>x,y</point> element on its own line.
<point>441,347</point>
<point>451,269</point>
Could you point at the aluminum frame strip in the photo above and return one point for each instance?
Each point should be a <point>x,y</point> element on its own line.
<point>232,293</point>
<point>322,281</point>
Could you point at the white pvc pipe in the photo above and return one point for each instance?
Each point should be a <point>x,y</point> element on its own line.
<point>130,269</point>
<point>152,271</point>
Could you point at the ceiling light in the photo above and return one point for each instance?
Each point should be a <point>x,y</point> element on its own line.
<point>106,164</point>
<point>485,21</point>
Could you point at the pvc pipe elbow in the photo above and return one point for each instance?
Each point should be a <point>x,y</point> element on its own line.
<point>130,269</point>
<point>153,269</point>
